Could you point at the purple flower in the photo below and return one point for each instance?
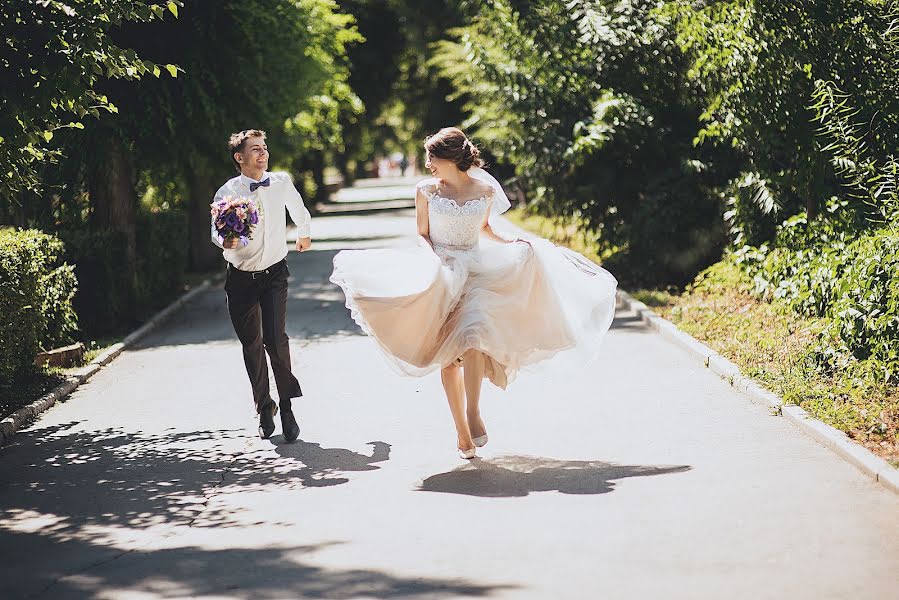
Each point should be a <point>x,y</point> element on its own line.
<point>231,220</point>
<point>254,218</point>
<point>244,240</point>
<point>239,227</point>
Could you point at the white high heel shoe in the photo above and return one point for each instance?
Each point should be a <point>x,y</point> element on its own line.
<point>467,454</point>
<point>480,441</point>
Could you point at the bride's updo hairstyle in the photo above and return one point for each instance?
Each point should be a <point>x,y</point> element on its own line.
<point>451,144</point>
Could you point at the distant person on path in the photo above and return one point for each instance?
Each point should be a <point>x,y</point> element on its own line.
<point>256,284</point>
<point>472,311</point>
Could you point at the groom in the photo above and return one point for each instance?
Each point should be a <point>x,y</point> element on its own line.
<point>256,285</point>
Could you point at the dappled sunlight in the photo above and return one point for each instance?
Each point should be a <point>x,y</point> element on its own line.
<point>138,481</point>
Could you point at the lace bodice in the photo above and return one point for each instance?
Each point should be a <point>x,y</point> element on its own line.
<point>452,224</point>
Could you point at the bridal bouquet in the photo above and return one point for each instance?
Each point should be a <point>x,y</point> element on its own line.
<point>234,218</point>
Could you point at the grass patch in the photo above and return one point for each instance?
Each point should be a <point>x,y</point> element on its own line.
<point>775,346</point>
<point>769,343</point>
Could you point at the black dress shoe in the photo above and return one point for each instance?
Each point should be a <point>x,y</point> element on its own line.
<point>289,426</point>
<point>267,420</point>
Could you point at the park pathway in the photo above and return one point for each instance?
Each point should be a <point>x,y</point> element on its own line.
<point>643,477</point>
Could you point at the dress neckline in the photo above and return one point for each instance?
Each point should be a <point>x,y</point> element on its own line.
<point>456,202</point>
<point>436,193</point>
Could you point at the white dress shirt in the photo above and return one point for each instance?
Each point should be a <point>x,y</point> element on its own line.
<point>268,244</point>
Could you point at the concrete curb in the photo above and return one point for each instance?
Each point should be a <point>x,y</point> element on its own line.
<point>870,464</point>
<point>25,415</point>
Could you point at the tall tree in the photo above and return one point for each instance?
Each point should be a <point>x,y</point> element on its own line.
<point>54,58</point>
<point>243,65</point>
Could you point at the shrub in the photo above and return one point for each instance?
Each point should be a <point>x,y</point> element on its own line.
<point>162,243</point>
<point>851,282</point>
<point>104,297</point>
<point>35,299</point>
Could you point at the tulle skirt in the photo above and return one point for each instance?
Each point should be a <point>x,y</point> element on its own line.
<point>517,303</point>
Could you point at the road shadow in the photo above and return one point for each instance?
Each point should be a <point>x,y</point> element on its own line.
<point>236,572</point>
<point>516,476</point>
<point>316,309</point>
<point>370,238</point>
<point>70,499</point>
<point>630,322</point>
<point>110,478</point>
<point>325,466</point>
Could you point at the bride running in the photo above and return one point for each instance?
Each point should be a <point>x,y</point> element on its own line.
<point>472,311</point>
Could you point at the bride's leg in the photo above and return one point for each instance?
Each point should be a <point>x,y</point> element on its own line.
<point>473,364</point>
<point>451,377</point>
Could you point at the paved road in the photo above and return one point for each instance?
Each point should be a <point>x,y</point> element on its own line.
<point>644,477</point>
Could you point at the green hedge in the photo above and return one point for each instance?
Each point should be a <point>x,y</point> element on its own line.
<point>852,282</point>
<point>36,292</point>
<point>162,245</point>
<point>107,301</point>
<point>105,297</point>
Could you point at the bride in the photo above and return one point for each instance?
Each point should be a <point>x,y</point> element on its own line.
<point>472,310</point>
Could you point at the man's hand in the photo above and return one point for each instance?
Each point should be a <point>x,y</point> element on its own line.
<point>230,243</point>
<point>304,244</point>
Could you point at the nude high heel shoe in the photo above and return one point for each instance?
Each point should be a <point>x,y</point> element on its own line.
<point>467,454</point>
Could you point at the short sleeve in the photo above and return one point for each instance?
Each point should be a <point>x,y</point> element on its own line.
<point>427,187</point>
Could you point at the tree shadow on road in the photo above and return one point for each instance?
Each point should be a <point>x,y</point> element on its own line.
<point>112,478</point>
<point>194,571</point>
<point>630,322</point>
<point>108,517</point>
<point>515,476</point>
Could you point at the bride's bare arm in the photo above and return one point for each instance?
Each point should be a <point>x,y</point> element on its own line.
<point>421,217</point>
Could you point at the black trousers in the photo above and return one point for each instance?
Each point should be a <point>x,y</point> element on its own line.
<point>257,303</point>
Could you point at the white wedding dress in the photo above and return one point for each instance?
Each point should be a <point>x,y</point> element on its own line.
<point>518,303</point>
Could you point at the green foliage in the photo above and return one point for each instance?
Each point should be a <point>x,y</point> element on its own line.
<point>403,96</point>
<point>851,283</point>
<point>35,299</point>
<point>760,65</point>
<point>107,301</point>
<point>807,92</point>
<point>244,65</point>
<point>590,102</point>
<point>780,349</point>
<point>871,177</point>
<point>161,258</point>
<point>54,57</point>
<point>104,297</point>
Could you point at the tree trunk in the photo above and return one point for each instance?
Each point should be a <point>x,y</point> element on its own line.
<point>113,197</point>
<point>317,163</point>
<point>203,254</point>
<point>112,193</point>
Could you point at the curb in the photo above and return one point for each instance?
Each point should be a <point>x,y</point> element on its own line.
<point>871,465</point>
<point>25,415</point>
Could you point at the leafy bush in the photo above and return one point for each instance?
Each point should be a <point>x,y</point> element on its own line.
<point>760,66</point>
<point>852,283</point>
<point>161,257</point>
<point>107,301</point>
<point>104,298</point>
<point>36,292</point>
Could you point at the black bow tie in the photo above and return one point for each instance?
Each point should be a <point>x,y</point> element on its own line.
<point>264,183</point>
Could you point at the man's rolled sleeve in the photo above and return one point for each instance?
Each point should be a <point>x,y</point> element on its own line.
<point>299,214</point>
